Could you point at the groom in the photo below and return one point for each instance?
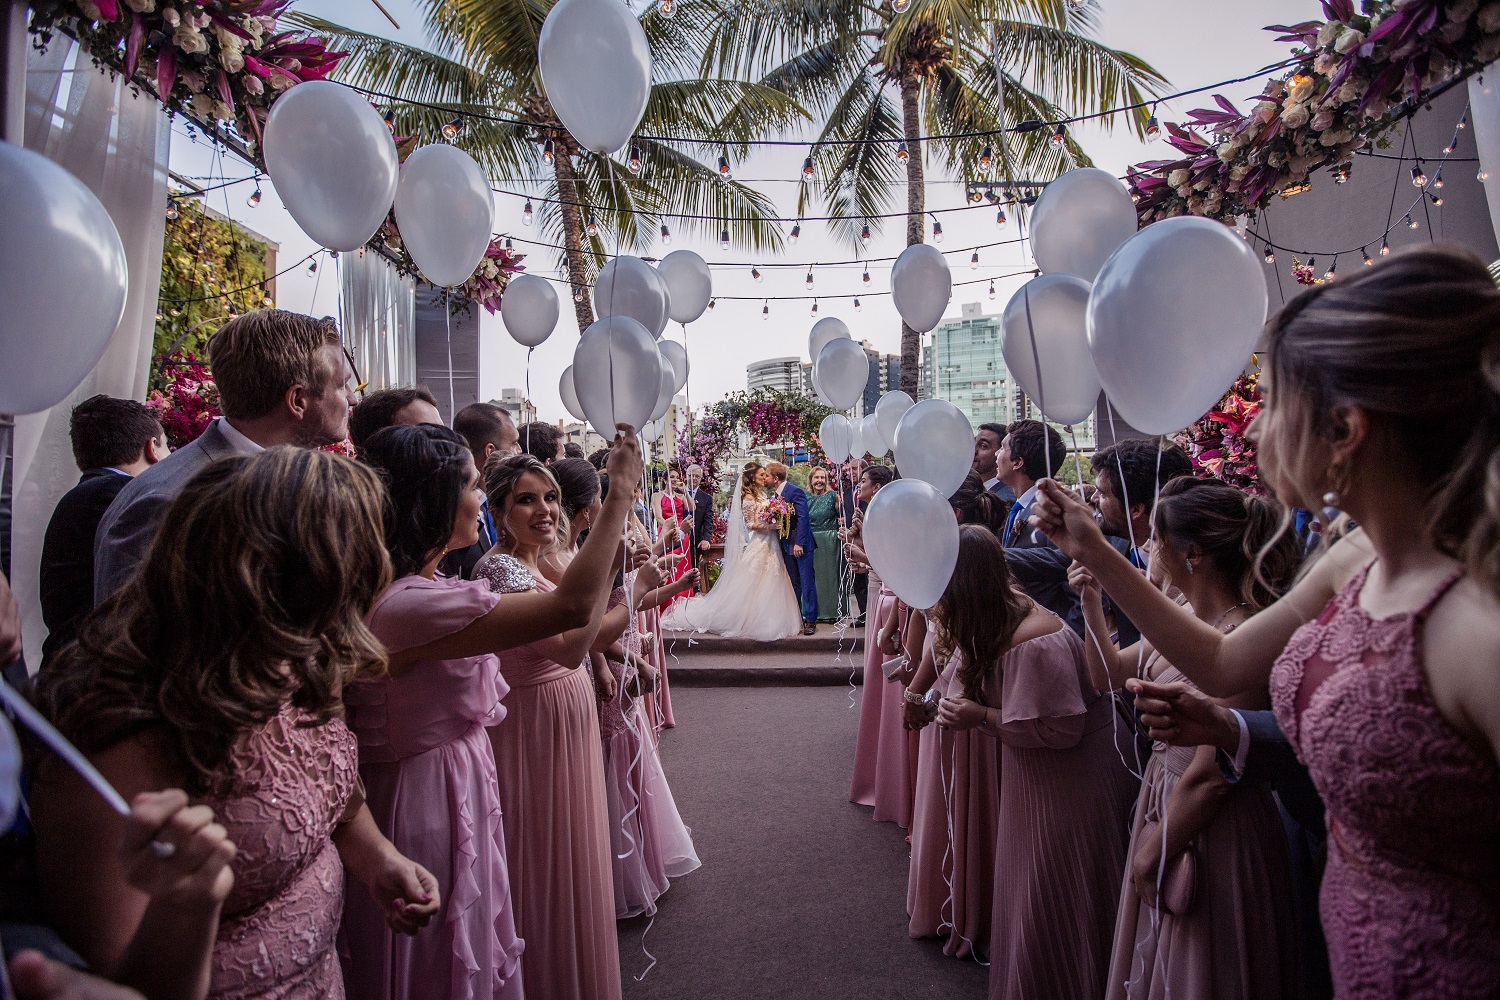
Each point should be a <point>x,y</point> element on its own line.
<point>797,547</point>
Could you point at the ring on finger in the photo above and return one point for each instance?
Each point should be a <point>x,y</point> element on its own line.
<point>163,849</point>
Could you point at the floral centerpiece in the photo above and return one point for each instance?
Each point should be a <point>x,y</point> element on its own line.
<point>777,513</point>
<point>183,397</point>
<point>1352,76</point>
<point>219,60</point>
<point>1218,445</point>
<point>705,442</point>
<point>487,284</point>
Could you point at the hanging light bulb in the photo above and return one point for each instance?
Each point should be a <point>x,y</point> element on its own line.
<point>992,289</point>
<point>667,8</point>
<point>712,303</point>
<point>174,312</point>
<point>254,198</point>
<point>1437,199</point>
<point>1451,143</point>
<point>509,246</point>
<point>807,167</point>
<point>172,211</point>
<point>796,232</point>
<point>724,168</point>
<point>724,239</point>
<point>809,279</point>
<point>1270,256</point>
<point>1312,263</point>
<point>1369,261</point>
<point>765,310</point>
<point>1437,181</point>
<point>1385,247</point>
<point>635,158</point>
<point>453,129</point>
<point>864,235</point>
<point>867,275</point>
<point>1418,179</point>
<point>1341,173</point>
<point>1328,275</point>
<point>974,261</point>
<point>756,275</point>
<point>1463,119</point>
<point>857,306</point>
<point>1411,223</point>
<point>390,119</point>
<point>592,227</point>
<point>527,214</point>
<point>578,295</point>
<point>158,315</point>
<point>937,231</point>
<point>1000,219</point>
<point>815,307</point>
<point>312,267</point>
<point>666,235</point>
<point>1060,136</point>
<point>1482,176</point>
<point>1153,127</point>
<point>985,158</point>
<point>333,255</point>
<point>547,156</point>
<point>901,152</point>
<point>899,6</point>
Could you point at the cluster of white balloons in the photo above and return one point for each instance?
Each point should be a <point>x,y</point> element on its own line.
<point>1112,309</point>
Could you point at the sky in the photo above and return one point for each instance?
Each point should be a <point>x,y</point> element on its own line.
<point>1190,42</point>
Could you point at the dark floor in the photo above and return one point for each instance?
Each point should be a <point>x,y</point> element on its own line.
<point>801,894</point>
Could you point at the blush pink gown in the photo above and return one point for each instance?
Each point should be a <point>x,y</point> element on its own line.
<point>277,933</point>
<point>430,781</point>
<point>1411,896</point>
<point>551,769</point>
<point>885,754</point>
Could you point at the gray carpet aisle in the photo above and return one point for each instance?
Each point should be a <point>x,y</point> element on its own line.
<point>801,894</point>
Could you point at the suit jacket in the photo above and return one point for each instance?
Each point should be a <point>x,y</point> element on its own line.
<point>703,520</point>
<point>67,572</point>
<point>1273,760</point>
<point>129,525</point>
<point>1005,493</point>
<point>1042,572</point>
<point>1021,534</point>
<point>801,533</point>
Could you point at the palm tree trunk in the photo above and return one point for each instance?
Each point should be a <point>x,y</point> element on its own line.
<point>911,118</point>
<point>573,238</point>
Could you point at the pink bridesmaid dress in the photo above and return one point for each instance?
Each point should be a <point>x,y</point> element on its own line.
<point>429,779</point>
<point>651,845</point>
<point>279,924</point>
<point>885,753</point>
<point>551,770</point>
<point>954,829</point>
<point>659,702</point>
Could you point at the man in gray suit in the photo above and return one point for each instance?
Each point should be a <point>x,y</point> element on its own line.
<point>282,379</point>
<point>1020,462</point>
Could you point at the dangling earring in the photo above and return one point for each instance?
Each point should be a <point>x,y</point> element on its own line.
<point>1336,473</point>
<point>1190,567</point>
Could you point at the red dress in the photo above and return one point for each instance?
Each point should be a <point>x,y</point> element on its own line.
<point>673,510</point>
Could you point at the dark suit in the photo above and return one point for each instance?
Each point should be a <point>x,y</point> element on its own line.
<point>800,568</point>
<point>703,521</point>
<point>1005,493</point>
<point>67,572</point>
<point>129,525</point>
<point>1042,572</point>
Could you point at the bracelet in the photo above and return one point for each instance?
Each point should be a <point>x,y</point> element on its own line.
<point>912,698</point>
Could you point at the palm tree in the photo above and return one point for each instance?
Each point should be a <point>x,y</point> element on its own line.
<point>482,64</point>
<point>881,71</point>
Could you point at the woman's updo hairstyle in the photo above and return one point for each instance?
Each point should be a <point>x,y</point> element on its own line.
<point>1244,537</point>
<point>1414,342</point>
<point>880,475</point>
<point>976,505</point>
<point>577,483</point>
<point>748,485</point>
<point>426,469</point>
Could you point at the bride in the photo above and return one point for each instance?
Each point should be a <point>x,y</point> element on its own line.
<point>753,597</point>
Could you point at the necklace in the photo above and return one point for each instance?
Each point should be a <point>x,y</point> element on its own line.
<point>1227,611</point>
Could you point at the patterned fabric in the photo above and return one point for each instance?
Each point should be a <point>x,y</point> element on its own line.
<point>505,574</point>
<point>276,938</point>
<point>1411,897</point>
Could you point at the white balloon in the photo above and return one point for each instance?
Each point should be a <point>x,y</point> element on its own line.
<point>569,394</point>
<point>596,69</point>
<point>888,413</point>
<point>677,354</point>
<point>651,431</point>
<point>1080,219</point>
<point>1067,389</point>
<point>826,329</point>
<point>666,386</point>
<point>628,286</point>
<point>529,309</point>
<point>921,286</point>
<point>911,537</point>
<point>446,213</point>
<point>856,437</point>
<point>869,433</point>
<point>1484,112</point>
<point>616,374</point>
<point>836,437</point>
<point>333,162</point>
<point>841,370</point>
<point>935,443</point>
<point>63,279</point>
<point>689,285</point>
<point>1162,358</point>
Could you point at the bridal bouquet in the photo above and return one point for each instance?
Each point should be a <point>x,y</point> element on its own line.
<point>777,513</point>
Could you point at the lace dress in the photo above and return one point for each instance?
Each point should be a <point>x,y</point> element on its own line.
<point>753,598</point>
<point>1411,896</point>
<point>277,934</point>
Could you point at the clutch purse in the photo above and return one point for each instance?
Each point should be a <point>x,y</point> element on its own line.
<point>1179,883</point>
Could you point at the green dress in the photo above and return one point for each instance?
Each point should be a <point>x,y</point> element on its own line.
<point>828,558</point>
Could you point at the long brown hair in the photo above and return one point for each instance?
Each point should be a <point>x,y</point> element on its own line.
<point>1245,538</point>
<point>980,611</point>
<point>748,485</point>
<point>1415,343</point>
<point>254,592</point>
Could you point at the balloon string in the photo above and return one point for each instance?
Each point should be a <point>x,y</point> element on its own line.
<point>448,322</point>
<point>58,744</point>
<point>687,388</point>
<point>1124,490</point>
<point>1041,385</point>
<point>527,447</point>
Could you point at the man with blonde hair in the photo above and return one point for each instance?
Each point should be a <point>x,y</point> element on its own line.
<point>282,379</point>
<point>797,547</point>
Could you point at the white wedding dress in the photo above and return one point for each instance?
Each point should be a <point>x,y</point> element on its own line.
<point>753,598</point>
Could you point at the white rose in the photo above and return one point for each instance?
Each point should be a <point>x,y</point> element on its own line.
<point>232,60</point>
<point>171,17</point>
<point>1349,92</point>
<point>253,85</point>
<point>1349,40</point>
<point>1301,88</point>
<point>1239,171</point>
<point>281,80</point>
<point>188,39</point>
<point>203,105</point>
<point>222,111</point>
<point>1328,32</point>
<point>1178,177</point>
<point>1295,115</point>
<point>1226,151</point>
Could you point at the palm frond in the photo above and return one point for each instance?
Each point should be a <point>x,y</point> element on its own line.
<point>858,176</point>
<point>682,184</point>
<point>414,73</point>
<point>715,114</point>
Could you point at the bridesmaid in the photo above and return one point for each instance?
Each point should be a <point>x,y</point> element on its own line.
<point>219,670</point>
<point>425,757</point>
<point>1064,793</point>
<point>828,561</point>
<point>1224,923</point>
<point>674,509</point>
<point>548,754</point>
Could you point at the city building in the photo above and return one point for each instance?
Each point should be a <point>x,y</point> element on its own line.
<point>885,375</point>
<point>581,434</point>
<point>784,374</point>
<point>514,401</point>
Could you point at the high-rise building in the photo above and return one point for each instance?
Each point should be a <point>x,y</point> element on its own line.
<point>784,374</point>
<point>521,409</point>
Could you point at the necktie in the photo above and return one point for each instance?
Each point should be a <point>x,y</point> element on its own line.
<point>1011,521</point>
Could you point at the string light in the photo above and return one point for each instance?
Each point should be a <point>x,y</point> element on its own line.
<point>724,239</point>
<point>867,276</point>
<point>666,235</point>
<point>809,279</point>
<point>1437,181</point>
<point>814,307</point>
<point>509,246</point>
<point>1369,261</point>
<point>985,158</point>
<point>864,235</point>
<point>1270,255</point>
<point>667,8</point>
<point>937,231</point>
<point>254,198</point>
<point>724,168</point>
<point>1332,269</point>
<point>1060,136</point>
<point>1463,119</point>
<point>807,167</point>
<point>974,261</point>
<point>1482,176</point>
<point>712,303</point>
<point>453,129</point>
<point>796,232</point>
<point>901,152</point>
<point>756,275</point>
<point>1418,179</point>
<point>578,295</point>
<point>390,119</point>
<point>547,156</point>
<point>1437,199</point>
<point>635,158</point>
<point>1411,223</point>
<point>899,6</point>
<point>1000,219</point>
<point>992,289</point>
<point>1153,127</point>
<point>765,310</point>
<point>592,227</point>
<point>172,211</point>
<point>312,268</point>
<point>1341,173</point>
<point>527,214</point>
<point>1385,247</point>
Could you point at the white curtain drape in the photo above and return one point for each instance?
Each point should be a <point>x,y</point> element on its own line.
<point>378,307</point>
<point>90,122</point>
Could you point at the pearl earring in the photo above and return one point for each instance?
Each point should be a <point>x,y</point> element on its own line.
<point>1330,499</point>
<point>1190,568</point>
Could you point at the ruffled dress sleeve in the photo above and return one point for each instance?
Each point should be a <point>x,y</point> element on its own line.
<point>1040,689</point>
<point>415,610</point>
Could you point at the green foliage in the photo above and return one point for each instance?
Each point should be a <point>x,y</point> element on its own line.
<point>204,259</point>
